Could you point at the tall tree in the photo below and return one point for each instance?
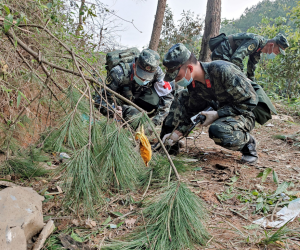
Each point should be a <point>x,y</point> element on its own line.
<point>80,18</point>
<point>157,25</point>
<point>211,29</point>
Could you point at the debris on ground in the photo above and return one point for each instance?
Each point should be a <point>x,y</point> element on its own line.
<point>47,230</point>
<point>69,243</point>
<point>286,214</point>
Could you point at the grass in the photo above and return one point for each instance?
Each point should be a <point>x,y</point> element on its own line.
<point>26,164</point>
<point>282,234</point>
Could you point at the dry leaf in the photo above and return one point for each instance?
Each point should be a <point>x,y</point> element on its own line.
<point>59,189</point>
<point>90,223</point>
<point>75,222</point>
<point>130,222</point>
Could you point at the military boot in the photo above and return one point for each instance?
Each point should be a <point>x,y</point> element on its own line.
<point>249,152</point>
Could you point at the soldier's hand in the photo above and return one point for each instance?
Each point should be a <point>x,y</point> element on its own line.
<point>149,130</point>
<point>171,138</point>
<point>118,115</point>
<point>211,116</point>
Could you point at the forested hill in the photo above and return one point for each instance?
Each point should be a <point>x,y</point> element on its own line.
<point>253,16</point>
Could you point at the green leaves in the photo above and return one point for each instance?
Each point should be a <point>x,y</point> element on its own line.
<point>8,22</point>
<point>282,187</point>
<point>76,237</point>
<point>275,177</point>
<point>6,9</point>
<point>265,174</point>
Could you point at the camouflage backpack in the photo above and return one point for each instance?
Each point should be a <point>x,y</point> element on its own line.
<point>115,57</point>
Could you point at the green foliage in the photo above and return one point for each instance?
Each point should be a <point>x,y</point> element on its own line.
<point>263,199</point>
<point>282,234</point>
<point>82,181</point>
<point>174,221</point>
<point>280,76</point>
<point>264,174</point>
<point>254,15</point>
<point>121,164</point>
<point>26,164</point>
<point>226,195</point>
<point>186,32</point>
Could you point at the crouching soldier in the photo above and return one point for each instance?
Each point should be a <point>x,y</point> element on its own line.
<point>141,82</point>
<point>236,47</point>
<point>218,81</point>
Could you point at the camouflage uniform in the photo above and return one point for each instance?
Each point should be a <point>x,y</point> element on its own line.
<point>120,79</point>
<point>225,84</point>
<point>242,45</point>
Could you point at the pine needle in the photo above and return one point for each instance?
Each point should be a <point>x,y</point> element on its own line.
<point>120,163</point>
<point>26,164</point>
<point>73,133</point>
<point>82,181</point>
<point>174,222</point>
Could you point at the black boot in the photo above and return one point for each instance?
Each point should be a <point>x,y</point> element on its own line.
<point>249,152</point>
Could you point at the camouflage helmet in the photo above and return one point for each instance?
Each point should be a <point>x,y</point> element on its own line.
<point>282,42</point>
<point>147,64</point>
<point>177,55</point>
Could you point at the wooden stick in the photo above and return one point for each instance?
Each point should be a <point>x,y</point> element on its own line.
<point>36,55</point>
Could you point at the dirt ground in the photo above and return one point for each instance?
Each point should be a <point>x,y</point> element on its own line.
<point>212,176</point>
<point>229,217</point>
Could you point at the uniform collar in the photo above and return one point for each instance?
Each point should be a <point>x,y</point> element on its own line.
<point>206,75</point>
<point>262,45</point>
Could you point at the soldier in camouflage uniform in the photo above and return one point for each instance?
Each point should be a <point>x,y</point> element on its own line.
<point>236,47</point>
<point>217,81</point>
<point>141,82</point>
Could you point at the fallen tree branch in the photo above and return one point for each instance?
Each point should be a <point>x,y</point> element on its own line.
<point>28,65</point>
<point>37,56</point>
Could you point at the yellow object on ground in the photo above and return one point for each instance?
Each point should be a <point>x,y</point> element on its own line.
<point>145,147</point>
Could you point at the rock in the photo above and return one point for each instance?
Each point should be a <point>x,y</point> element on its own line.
<point>283,118</point>
<point>21,217</point>
<point>47,230</point>
<point>8,184</point>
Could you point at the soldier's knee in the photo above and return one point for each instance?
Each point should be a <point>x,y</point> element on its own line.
<point>220,134</point>
<point>215,131</point>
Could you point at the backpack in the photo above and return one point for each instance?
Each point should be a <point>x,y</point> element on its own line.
<point>215,41</point>
<point>115,57</point>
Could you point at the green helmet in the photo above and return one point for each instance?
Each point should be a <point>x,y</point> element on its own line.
<point>282,42</point>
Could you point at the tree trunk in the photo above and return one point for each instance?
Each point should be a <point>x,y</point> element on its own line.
<point>211,29</point>
<point>157,25</point>
<point>79,26</point>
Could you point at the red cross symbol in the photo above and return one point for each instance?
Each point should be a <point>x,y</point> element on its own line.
<point>167,85</point>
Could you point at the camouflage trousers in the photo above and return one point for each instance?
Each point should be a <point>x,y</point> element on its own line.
<point>229,132</point>
<point>222,52</point>
<point>128,112</point>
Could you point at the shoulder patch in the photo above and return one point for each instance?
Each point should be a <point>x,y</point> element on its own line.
<point>108,80</point>
<point>251,47</point>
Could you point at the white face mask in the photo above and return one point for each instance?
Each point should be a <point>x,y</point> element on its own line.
<point>184,82</point>
<point>139,81</point>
